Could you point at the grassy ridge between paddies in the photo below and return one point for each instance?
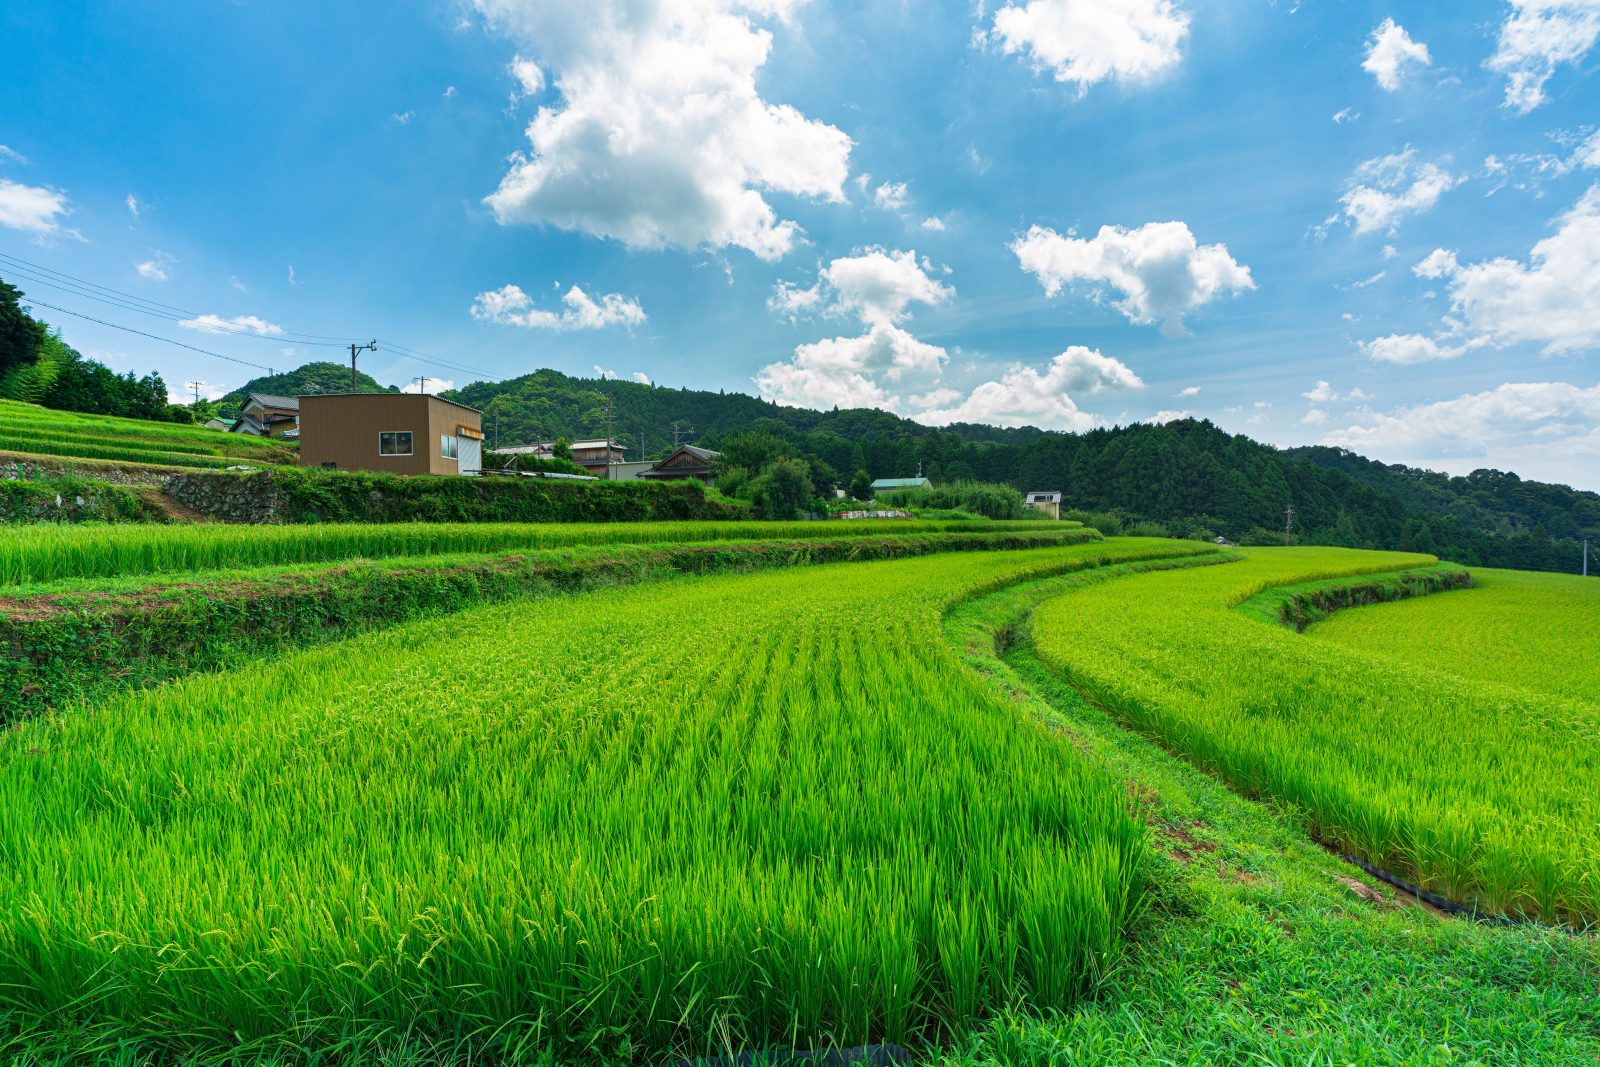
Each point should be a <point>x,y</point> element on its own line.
<point>81,639</point>
<point>35,430</point>
<point>1477,792</point>
<point>46,553</point>
<point>1518,628</point>
<point>734,811</point>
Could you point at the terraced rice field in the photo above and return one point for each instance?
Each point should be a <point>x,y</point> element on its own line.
<point>1517,628</point>
<point>43,553</point>
<point>35,430</point>
<point>1479,791</point>
<point>729,812</point>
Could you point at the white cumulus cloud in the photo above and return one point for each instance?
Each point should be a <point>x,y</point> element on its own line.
<point>1537,37</point>
<point>1407,348</point>
<point>661,137</point>
<point>1384,191</point>
<point>510,306</point>
<point>878,287</point>
<point>1320,393</point>
<point>1159,268</point>
<point>851,371</point>
<point>1089,41</point>
<point>1547,430</point>
<point>236,324</point>
<point>156,268</point>
<point>530,79</point>
<point>1024,396</point>
<point>1391,53</point>
<point>31,208</point>
<point>891,196</point>
<point>1551,300</point>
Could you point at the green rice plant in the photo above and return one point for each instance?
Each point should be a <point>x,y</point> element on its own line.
<point>748,811</point>
<point>50,553</point>
<point>1481,791</point>
<point>1523,628</point>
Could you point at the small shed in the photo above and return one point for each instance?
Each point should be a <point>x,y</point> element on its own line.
<point>400,433</point>
<point>1047,501</point>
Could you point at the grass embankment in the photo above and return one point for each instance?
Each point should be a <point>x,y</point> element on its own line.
<point>1515,628</point>
<point>81,639</point>
<point>1304,604</point>
<point>50,553</point>
<point>73,498</point>
<point>1478,792</point>
<point>45,432</point>
<point>1259,947</point>
<point>768,809</point>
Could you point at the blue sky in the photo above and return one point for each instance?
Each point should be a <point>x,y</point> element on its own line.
<point>1366,224</point>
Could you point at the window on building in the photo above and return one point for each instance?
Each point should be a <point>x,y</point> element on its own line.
<point>329,465</point>
<point>394,443</point>
<point>447,446</point>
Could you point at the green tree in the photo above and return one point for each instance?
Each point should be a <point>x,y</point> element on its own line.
<point>861,485</point>
<point>21,335</point>
<point>782,489</point>
<point>563,449</point>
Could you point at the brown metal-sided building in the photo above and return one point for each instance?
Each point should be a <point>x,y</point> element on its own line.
<point>401,433</point>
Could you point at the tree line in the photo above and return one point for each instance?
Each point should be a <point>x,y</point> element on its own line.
<point>37,366</point>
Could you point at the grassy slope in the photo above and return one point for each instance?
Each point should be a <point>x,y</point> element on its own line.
<point>71,436</point>
<point>1261,948</point>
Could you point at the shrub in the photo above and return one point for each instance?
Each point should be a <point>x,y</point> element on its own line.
<point>981,498</point>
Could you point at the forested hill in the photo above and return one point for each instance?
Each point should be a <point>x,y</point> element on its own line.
<point>305,380</point>
<point>1492,500</point>
<point>1188,475</point>
<point>547,404</point>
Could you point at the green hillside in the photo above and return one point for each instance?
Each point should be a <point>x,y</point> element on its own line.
<point>319,377</point>
<point>1189,475</point>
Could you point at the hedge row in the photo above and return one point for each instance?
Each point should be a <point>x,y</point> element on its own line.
<point>55,649</point>
<point>289,495</point>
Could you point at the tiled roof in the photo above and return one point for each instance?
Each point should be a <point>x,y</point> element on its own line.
<point>268,400</point>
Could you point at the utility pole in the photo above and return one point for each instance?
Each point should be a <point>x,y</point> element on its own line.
<point>677,433</point>
<point>354,348</point>
<point>1288,524</point>
<point>422,384</point>
<point>196,387</point>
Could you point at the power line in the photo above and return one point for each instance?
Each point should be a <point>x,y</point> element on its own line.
<point>153,337</point>
<point>38,274</point>
<point>423,357</point>
<point>131,302</point>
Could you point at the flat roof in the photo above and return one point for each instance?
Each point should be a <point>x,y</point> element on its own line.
<point>430,396</point>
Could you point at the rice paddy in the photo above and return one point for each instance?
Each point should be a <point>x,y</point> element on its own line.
<point>728,812</point>
<point>34,430</point>
<point>43,553</point>
<point>1479,791</point>
<point>1518,628</point>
